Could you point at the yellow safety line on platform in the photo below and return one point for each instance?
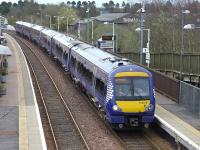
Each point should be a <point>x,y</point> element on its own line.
<point>23,136</point>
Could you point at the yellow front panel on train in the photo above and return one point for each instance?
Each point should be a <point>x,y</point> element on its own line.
<point>133,106</point>
<point>131,74</point>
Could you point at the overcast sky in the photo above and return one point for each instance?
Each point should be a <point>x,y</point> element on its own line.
<point>98,2</point>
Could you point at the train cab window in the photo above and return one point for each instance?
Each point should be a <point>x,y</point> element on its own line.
<point>100,86</point>
<point>132,88</point>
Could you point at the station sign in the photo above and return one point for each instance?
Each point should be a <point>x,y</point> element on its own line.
<point>147,56</point>
<point>106,44</point>
<point>108,37</point>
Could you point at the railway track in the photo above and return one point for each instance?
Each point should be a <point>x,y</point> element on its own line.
<point>51,143</point>
<point>64,129</point>
<point>125,140</point>
<point>146,140</point>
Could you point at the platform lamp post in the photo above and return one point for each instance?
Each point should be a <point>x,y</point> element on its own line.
<point>142,12</point>
<point>58,27</point>
<point>31,18</point>
<point>40,16</point>
<point>183,12</point>
<point>49,20</point>
<point>113,37</point>
<point>148,39</point>
<point>113,34</point>
<point>40,13</point>
<point>191,27</point>
<point>79,29</point>
<point>92,32</point>
<point>0,25</point>
<point>58,22</point>
<point>88,23</point>
<point>67,25</point>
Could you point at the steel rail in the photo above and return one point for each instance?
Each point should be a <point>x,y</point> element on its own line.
<point>44,103</point>
<point>65,104</point>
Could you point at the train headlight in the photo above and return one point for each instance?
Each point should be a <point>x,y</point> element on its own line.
<point>149,108</point>
<point>116,108</point>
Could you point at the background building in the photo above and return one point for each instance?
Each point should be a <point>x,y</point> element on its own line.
<point>117,18</point>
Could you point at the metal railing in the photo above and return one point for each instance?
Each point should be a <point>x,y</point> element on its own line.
<point>190,98</point>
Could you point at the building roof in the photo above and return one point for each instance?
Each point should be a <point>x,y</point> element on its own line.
<point>4,50</point>
<point>109,17</point>
<point>81,21</point>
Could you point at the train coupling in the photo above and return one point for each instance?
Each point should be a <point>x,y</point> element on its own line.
<point>121,125</point>
<point>134,122</point>
<point>146,125</point>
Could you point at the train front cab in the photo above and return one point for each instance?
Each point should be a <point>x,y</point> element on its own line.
<point>130,99</point>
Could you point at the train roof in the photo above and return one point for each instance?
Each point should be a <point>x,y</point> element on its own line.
<point>37,27</point>
<point>63,39</point>
<point>49,33</point>
<point>102,59</point>
<point>19,22</point>
<point>105,61</point>
<point>27,24</point>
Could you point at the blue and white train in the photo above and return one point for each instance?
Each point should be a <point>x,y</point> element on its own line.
<point>121,90</point>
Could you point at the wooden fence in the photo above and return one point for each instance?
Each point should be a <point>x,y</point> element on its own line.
<point>170,61</point>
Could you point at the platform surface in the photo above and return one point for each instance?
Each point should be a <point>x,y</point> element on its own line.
<point>179,120</point>
<point>178,110</point>
<point>21,126</point>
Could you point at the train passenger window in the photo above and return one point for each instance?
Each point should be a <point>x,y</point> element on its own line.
<point>88,75</point>
<point>59,49</point>
<point>73,61</point>
<point>100,86</point>
<point>84,71</point>
<point>80,68</point>
<point>65,56</point>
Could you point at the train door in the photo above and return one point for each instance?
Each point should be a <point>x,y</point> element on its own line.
<point>94,80</point>
<point>69,58</point>
<point>64,58</point>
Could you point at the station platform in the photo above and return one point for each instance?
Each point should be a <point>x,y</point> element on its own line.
<point>178,122</point>
<point>20,123</point>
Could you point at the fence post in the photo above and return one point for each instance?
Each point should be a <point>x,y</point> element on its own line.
<point>179,92</point>
<point>172,63</point>
<point>159,60</point>
<point>165,54</point>
<point>199,64</point>
<point>190,65</point>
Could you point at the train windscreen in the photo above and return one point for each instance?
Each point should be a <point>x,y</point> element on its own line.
<point>132,88</point>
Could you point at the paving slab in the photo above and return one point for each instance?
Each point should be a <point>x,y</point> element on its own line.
<point>20,121</point>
